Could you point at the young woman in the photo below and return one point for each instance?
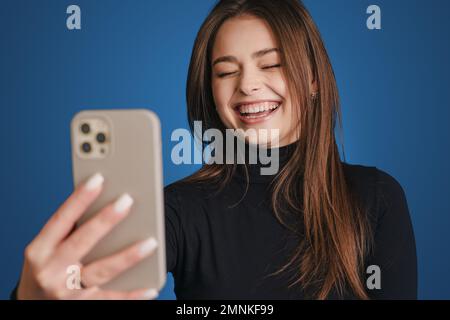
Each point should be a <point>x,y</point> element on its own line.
<point>319,228</point>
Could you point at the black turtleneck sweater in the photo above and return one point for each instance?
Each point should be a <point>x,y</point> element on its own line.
<point>224,245</point>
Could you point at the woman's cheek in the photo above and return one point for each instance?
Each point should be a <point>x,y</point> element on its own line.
<point>222,96</point>
<point>226,116</point>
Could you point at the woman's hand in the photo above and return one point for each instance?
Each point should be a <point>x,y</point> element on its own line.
<point>57,246</point>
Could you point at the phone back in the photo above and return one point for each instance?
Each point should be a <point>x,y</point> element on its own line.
<point>125,147</point>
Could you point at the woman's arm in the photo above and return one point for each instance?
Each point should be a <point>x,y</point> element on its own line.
<point>395,248</point>
<point>173,227</point>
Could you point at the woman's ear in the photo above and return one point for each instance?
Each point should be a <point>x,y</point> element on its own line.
<point>313,87</point>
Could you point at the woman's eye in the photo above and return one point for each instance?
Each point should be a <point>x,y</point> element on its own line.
<point>272,66</point>
<point>224,74</point>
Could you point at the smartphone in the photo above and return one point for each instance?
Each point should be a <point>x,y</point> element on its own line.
<point>125,147</point>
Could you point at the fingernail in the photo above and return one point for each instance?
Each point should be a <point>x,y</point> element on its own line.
<point>123,203</point>
<point>147,246</point>
<point>94,182</point>
<point>150,294</point>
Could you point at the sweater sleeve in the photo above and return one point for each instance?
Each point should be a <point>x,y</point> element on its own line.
<point>394,248</point>
<point>172,227</point>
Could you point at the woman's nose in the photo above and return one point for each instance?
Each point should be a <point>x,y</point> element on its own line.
<point>249,84</point>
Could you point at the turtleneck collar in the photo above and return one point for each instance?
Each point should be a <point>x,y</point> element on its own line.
<point>254,169</point>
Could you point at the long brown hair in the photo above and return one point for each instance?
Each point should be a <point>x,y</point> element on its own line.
<point>336,237</point>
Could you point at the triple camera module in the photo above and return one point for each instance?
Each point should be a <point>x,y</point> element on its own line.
<point>92,137</point>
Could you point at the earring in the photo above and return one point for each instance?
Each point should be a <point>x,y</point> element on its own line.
<point>314,98</point>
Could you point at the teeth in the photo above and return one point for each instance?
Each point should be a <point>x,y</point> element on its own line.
<point>260,107</point>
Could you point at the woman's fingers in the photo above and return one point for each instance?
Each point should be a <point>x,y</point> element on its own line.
<point>104,270</point>
<point>82,240</point>
<point>62,222</point>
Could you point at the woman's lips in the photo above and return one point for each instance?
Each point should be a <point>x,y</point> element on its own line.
<point>255,118</point>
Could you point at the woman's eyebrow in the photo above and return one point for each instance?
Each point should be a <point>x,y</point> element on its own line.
<point>257,54</point>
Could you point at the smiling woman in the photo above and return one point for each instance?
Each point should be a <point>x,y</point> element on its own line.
<point>262,65</point>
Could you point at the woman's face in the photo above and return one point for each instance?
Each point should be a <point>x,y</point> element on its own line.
<point>248,84</point>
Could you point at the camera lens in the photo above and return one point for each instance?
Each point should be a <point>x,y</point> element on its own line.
<point>86,147</point>
<point>101,137</point>
<point>85,128</point>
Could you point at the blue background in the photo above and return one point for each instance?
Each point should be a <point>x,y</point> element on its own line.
<point>394,86</point>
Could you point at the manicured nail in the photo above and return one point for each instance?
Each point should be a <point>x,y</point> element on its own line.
<point>94,182</point>
<point>123,203</point>
<point>150,294</point>
<point>147,246</point>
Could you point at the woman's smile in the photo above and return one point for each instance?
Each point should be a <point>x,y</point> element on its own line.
<point>257,111</point>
